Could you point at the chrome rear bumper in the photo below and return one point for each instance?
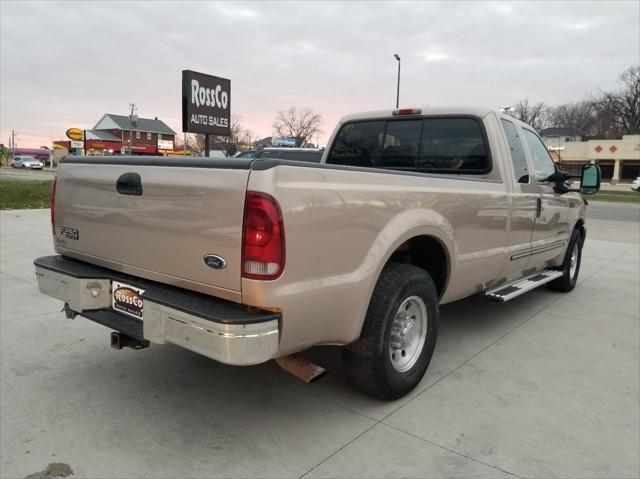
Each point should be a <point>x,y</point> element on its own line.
<point>215,328</point>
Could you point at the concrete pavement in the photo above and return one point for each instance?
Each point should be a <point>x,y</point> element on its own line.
<point>544,386</point>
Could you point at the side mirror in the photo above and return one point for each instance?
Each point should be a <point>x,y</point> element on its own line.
<point>590,179</point>
<point>560,179</point>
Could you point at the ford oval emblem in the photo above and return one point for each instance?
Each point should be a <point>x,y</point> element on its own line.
<point>214,261</point>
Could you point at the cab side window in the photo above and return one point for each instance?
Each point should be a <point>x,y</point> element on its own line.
<point>543,165</point>
<point>518,158</point>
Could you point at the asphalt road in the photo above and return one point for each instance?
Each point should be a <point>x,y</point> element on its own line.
<point>546,385</point>
<point>609,221</point>
<point>24,174</point>
<point>610,211</point>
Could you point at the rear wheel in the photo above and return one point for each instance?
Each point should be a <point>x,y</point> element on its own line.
<point>570,265</point>
<point>398,336</point>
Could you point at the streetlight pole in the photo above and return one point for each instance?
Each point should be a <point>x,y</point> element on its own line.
<point>398,88</point>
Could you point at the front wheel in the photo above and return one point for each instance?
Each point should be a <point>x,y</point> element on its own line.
<point>398,336</point>
<point>570,265</point>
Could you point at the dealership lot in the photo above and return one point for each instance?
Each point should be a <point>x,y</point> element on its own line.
<point>545,385</point>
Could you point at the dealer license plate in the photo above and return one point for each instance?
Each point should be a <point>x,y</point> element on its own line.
<point>127,299</point>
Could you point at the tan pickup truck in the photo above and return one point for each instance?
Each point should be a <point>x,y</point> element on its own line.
<point>247,260</point>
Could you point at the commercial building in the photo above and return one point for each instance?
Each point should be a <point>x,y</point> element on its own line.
<point>560,136</point>
<point>619,160</point>
<point>110,136</point>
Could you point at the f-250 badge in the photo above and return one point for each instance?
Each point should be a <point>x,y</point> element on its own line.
<point>70,233</point>
<point>214,261</point>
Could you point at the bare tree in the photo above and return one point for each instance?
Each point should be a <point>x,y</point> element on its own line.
<point>229,144</point>
<point>590,116</point>
<point>580,115</point>
<point>625,103</point>
<point>236,132</point>
<point>593,117</point>
<point>301,125</point>
<point>246,138</point>
<point>531,114</point>
<point>607,115</point>
<point>195,143</point>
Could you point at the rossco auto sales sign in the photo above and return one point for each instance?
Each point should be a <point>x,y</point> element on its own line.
<point>206,103</point>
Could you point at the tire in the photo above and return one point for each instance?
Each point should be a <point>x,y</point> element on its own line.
<point>376,363</point>
<point>569,279</point>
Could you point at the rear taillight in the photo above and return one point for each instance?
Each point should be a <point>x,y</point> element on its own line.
<point>262,237</point>
<point>53,204</point>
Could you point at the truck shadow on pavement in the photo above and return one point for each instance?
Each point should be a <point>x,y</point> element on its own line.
<point>178,382</point>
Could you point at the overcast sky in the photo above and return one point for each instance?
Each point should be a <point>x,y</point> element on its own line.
<point>65,64</point>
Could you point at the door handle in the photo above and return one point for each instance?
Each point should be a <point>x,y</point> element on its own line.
<point>129,184</point>
<point>538,207</point>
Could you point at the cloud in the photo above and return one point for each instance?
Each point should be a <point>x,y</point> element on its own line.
<point>581,26</point>
<point>434,54</point>
<point>503,8</point>
<point>232,10</point>
<point>62,66</point>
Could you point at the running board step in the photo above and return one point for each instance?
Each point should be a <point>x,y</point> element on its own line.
<point>506,292</point>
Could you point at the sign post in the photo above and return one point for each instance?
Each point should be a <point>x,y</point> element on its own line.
<point>206,105</point>
<point>78,138</point>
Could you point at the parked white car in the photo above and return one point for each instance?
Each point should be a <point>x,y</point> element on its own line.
<point>26,162</point>
<point>635,184</point>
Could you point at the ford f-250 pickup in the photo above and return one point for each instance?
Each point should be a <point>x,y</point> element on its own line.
<point>247,260</point>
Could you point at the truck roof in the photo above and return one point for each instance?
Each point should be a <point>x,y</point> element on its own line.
<point>425,110</point>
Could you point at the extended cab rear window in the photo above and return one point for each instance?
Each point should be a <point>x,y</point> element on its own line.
<point>429,145</point>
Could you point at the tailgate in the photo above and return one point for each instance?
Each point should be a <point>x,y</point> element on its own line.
<point>188,208</point>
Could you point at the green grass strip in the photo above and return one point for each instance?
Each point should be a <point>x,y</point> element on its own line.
<point>18,195</point>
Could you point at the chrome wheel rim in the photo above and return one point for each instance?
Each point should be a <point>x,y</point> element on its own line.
<point>574,261</point>
<point>408,333</point>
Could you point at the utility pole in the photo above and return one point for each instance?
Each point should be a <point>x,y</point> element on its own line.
<point>13,141</point>
<point>133,121</point>
<point>397,57</point>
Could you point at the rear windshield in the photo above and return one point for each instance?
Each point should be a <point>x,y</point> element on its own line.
<point>430,145</point>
